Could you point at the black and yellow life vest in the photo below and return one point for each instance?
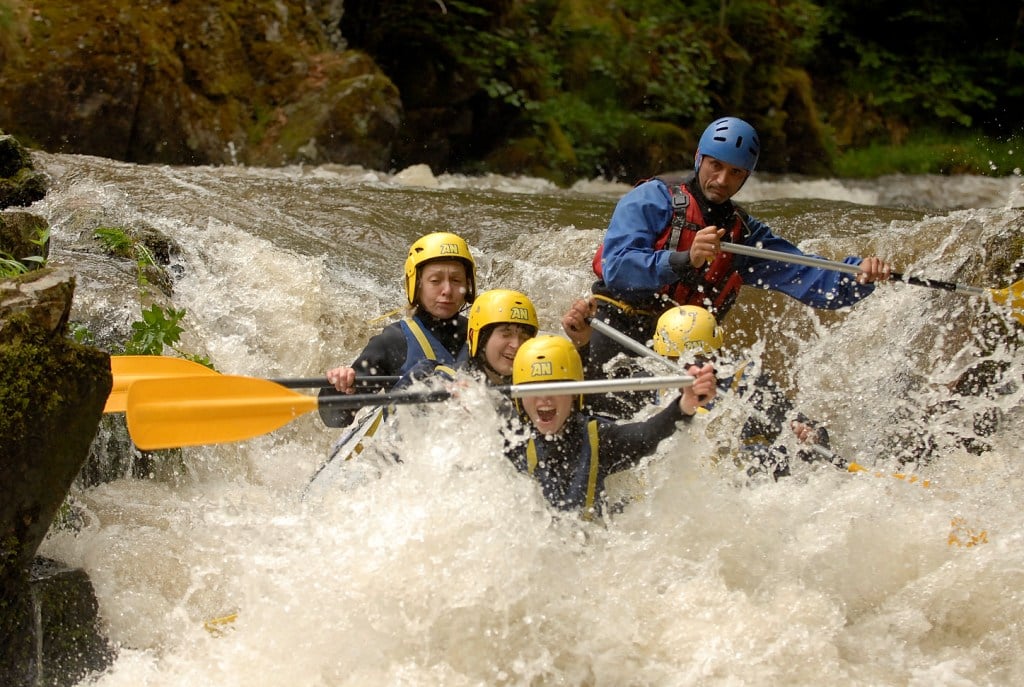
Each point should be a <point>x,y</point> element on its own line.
<point>582,489</point>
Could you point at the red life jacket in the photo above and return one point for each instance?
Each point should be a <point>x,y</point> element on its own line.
<point>719,283</point>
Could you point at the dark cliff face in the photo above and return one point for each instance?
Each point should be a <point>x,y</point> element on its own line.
<point>188,82</point>
<point>274,82</point>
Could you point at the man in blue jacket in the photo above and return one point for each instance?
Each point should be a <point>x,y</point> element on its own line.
<point>663,248</point>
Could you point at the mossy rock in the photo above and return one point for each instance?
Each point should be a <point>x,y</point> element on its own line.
<point>20,183</point>
<point>20,233</point>
<point>345,111</point>
<point>551,158</point>
<point>52,391</point>
<point>192,83</point>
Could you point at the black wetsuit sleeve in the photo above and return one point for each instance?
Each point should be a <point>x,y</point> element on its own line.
<point>384,355</point>
<point>680,263</point>
<point>623,445</point>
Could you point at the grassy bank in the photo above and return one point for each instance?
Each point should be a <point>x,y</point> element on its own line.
<point>934,153</point>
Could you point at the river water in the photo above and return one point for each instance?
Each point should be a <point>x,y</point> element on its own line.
<point>448,569</point>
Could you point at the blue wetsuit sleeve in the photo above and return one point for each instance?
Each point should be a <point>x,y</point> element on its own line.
<point>630,262</point>
<point>813,286</point>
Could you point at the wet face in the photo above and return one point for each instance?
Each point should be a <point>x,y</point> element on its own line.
<point>441,288</point>
<point>549,413</point>
<point>502,344</point>
<point>719,180</point>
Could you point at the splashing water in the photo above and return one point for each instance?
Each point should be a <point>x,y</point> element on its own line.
<point>448,568</point>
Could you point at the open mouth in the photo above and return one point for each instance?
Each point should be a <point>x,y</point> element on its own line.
<point>546,414</point>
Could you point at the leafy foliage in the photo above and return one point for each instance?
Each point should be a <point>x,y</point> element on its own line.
<point>802,71</point>
<point>964,60</point>
<point>158,329</point>
<point>155,330</point>
<point>9,267</point>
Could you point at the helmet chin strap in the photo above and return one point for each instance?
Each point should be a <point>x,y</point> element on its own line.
<point>489,369</point>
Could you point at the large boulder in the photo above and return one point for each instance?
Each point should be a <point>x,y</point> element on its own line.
<point>52,392</point>
<point>190,82</point>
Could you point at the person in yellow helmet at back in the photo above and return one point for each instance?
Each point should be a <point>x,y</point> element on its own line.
<point>569,452</point>
<point>692,335</point>
<point>440,281</point>
<point>687,332</point>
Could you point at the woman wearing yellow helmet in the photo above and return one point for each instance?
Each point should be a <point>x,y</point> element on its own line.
<point>440,281</point>
<point>571,453</point>
<point>500,321</point>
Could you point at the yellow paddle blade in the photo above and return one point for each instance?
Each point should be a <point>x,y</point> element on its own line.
<point>218,627</point>
<point>1013,296</point>
<point>189,411</point>
<point>128,369</point>
<point>910,479</point>
<point>962,534</point>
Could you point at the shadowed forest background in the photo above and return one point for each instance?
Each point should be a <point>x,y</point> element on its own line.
<point>561,89</point>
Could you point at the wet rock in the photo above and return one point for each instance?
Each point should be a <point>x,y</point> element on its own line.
<point>38,303</point>
<point>50,624</point>
<point>70,644</point>
<point>20,183</point>
<point>52,393</point>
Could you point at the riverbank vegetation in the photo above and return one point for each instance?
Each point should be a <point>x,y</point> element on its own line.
<point>559,89</point>
<point>934,152</point>
<point>834,86</point>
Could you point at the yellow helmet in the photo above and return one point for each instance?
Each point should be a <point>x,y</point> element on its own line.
<point>687,329</point>
<point>440,245</point>
<point>499,306</point>
<point>547,358</point>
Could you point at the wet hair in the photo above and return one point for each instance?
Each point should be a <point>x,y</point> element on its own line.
<point>482,338</point>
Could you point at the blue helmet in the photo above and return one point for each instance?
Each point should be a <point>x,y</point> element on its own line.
<point>730,140</point>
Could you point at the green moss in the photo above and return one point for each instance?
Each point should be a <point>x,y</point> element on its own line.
<point>29,360</point>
